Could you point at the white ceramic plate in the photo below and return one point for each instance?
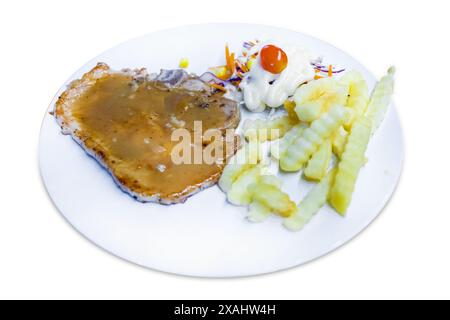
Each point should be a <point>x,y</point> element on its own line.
<point>206,236</point>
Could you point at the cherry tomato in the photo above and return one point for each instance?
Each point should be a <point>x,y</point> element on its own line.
<point>273,59</point>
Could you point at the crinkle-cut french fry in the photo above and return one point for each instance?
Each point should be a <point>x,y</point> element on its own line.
<point>257,212</point>
<point>245,158</point>
<point>271,179</point>
<point>311,204</point>
<point>353,159</point>
<point>280,147</point>
<point>358,94</point>
<point>303,147</point>
<point>317,97</point>
<point>273,198</point>
<point>338,141</point>
<point>238,194</point>
<point>380,99</point>
<point>317,166</point>
<point>264,130</point>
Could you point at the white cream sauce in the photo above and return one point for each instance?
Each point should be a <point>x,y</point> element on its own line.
<point>262,88</point>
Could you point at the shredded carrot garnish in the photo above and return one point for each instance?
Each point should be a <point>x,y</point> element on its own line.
<point>317,70</point>
<point>244,54</point>
<point>241,66</point>
<point>330,70</point>
<point>316,77</point>
<point>218,86</point>
<point>230,60</point>
<point>232,66</point>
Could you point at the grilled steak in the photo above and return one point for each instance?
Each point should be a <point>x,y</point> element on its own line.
<point>125,120</point>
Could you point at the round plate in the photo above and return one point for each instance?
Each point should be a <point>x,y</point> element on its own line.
<point>206,236</point>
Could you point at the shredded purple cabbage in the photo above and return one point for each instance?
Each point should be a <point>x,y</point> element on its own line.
<point>210,77</point>
<point>234,79</point>
<point>322,68</point>
<point>247,45</point>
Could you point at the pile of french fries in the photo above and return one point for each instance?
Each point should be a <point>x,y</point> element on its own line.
<point>326,118</point>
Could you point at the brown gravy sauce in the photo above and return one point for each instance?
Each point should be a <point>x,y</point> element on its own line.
<point>132,125</point>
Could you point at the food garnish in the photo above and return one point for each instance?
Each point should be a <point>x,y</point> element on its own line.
<point>184,63</point>
<point>273,59</point>
<point>266,77</point>
<point>329,70</point>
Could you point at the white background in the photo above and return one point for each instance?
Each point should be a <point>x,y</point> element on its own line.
<point>405,253</point>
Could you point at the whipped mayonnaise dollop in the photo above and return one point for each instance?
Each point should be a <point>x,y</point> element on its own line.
<point>261,88</point>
